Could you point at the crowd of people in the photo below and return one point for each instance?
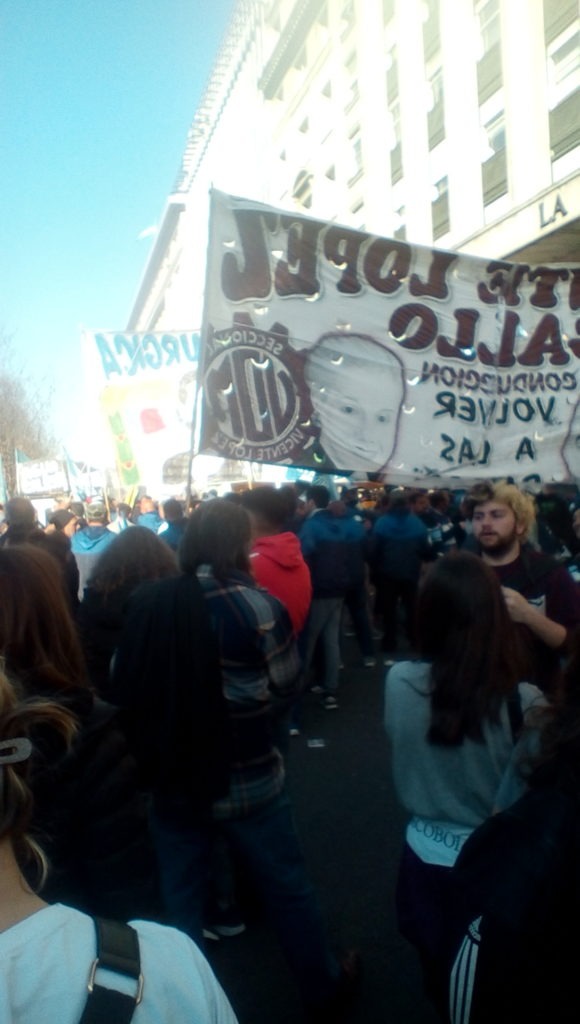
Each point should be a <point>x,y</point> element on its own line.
<point>154,667</point>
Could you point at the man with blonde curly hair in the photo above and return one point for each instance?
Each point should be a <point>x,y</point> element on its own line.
<point>540,595</point>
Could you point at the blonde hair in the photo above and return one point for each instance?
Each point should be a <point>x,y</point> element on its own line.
<point>521,504</point>
<point>18,719</point>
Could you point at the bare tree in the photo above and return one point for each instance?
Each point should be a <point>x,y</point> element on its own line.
<point>24,405</point>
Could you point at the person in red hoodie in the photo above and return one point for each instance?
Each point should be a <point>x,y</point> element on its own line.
<point>276,557</point>
<point>278,565</point>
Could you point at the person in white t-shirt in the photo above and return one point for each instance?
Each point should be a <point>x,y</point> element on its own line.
<point>47,952</point>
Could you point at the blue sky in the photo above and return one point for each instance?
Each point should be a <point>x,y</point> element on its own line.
<point>96,98</point>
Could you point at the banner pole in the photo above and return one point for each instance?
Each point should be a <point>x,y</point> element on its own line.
<point>192,451</point>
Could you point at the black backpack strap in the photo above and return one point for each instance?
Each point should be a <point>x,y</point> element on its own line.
<point>117,950</point>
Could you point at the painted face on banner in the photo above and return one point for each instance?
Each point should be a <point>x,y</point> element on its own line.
<point>357,391</point>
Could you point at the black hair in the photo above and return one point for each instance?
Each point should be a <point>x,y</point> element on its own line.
<point>217,534</point>
<point>319,494</point>
<point>465,631</point>
<point>268,505</point>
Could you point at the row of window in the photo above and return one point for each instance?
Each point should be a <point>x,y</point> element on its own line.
<point>562,48</point>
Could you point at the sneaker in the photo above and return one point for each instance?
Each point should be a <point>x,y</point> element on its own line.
<point>388,662</point>
<point>349,631</point>
<point>210,933</point>
<point>225,923</point>
<point>293,731</point>
<point>317,688</point>
<point>369,662</point>
<point>329,703</point>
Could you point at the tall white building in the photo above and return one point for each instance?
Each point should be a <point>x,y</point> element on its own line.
<point>447,122</point>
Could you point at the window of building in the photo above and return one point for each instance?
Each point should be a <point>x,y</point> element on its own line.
<point>399,224</point>
<point>302,191</point>
<point>439,189</point>
<point>431,37</point>
<point>429,10</point>
<point>493,155</point>
<point>394,125</point>
<point>435,88</point>
<point>347,18</point>
<point>355,140</point>
<point>440,207</point>
<point>488,24</point>
<point>488,46</point>
<point>353,95</point>
<point>563,78</point>
<point>392,75</point>
<point>493,136</point>
<point>394,137</point>
<point>351,68</point>
<point>388,11</point>
<point>494,159</point>
<point>563,65</point>
<point>357,152</point>
<point>494,175</point>
<point>558,15</point>
<point>435,107</point>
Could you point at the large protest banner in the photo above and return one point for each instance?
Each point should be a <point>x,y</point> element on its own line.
<point>146,386</point>
<point>329,348</point>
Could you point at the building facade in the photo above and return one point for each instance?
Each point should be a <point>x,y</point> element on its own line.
<point>453,123</point>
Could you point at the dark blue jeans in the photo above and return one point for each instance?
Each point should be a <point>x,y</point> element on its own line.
<point>356,600</point>
<point>429,915</point>
<point>267,844</point>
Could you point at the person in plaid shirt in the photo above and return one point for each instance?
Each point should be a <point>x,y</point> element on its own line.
<point>260,670</point>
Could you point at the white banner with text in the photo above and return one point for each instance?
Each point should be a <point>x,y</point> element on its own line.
<point>328,348</point>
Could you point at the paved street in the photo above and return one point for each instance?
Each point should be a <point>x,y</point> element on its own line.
<point>351,829</point>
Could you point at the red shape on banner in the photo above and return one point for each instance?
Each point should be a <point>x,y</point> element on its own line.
<point>151,421</point>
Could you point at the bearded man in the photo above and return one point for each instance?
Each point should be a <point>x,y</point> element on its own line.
<point>540,595</point>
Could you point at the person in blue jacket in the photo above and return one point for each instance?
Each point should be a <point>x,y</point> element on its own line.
<point>399,547</point>
<point>333,545</point>
<point>148,515</point>
<point>88,544</point>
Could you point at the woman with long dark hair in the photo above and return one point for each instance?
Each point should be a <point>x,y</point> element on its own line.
<point>48,953</point>
<point>453,718</point>
<point>135,555</point>
<point>88,811</point>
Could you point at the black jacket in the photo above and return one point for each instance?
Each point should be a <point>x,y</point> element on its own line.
<point>167,677</point>
<point>100,620</point>
<point>89,817</point>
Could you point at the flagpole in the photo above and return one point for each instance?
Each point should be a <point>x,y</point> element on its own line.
<point>192,444</point>
<point>16,473</point>
<point>67,474</point>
